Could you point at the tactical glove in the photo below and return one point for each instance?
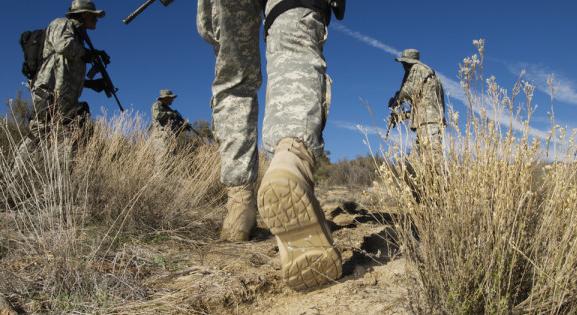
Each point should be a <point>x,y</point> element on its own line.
<point>97,85</point>
<point>91,55</point>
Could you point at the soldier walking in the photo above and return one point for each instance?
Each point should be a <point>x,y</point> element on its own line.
<point>297,104</point>
<point>423,90</point>
<point>61,78</point>
<point>58,84</point>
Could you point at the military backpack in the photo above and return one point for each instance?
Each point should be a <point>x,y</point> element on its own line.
<point>32,43</point>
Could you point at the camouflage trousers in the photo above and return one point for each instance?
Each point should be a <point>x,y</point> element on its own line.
<point>430,142</point>
<point>162,142</point>
<point>297,91</point>
<point>62,108</point>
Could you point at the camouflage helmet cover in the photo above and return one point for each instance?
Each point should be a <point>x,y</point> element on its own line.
<point>81,6</point>
<point>410,56</point>
<point>166,94</point>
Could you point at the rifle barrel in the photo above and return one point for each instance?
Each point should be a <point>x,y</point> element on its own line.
<point>137,12</point>
<point>118,101</point>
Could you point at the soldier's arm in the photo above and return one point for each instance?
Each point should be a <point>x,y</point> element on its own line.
<point>409,87</point>
<point>65,41</point>
<point>164,115</point>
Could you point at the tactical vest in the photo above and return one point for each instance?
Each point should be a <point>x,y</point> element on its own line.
<point>322,6</point>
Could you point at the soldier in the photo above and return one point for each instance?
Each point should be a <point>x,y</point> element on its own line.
<point>423,90</point>
<point>61,77</point>
<point>167,123</point>
<point>297,101</point>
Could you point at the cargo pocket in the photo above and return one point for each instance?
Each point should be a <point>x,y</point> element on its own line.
<point>327,99</point>
<point>312,23</point>
<point>207,20</point>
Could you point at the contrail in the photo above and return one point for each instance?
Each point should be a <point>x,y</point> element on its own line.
<point>366,39</point>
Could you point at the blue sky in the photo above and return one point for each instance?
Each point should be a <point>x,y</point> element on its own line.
<point>161,49</point>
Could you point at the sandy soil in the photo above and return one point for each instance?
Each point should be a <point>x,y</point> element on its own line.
<point>243,278</point>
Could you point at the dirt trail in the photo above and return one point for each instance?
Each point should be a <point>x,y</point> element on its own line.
<point>243,278</point>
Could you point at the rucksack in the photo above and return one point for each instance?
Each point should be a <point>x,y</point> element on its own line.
<point>32,43</point>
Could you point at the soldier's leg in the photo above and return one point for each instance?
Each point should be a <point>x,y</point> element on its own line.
<point>298,89</point>
<point>297,104</point>
<point>37,129</point>
<point>232,27</point>
<point>430,142</point>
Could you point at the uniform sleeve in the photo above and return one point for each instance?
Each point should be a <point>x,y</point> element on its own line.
<point>63,37</point>
<point>410,86</point>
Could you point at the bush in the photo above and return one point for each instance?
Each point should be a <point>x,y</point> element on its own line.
<point>70,207</point>
<point>361,171</point>
<point>492,228</point>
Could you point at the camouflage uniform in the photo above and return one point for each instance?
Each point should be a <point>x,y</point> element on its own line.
<point>423,89</point>
<point>166,118</point>
<point>60,80</point>
<point>167,123</point>
<point>298,91</point>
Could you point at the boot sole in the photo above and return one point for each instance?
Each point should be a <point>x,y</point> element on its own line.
<point>295,218</point>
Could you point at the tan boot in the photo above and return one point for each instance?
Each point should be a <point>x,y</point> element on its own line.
<point>5,307</point>
<point>241,217</point>
<point>289,207</point>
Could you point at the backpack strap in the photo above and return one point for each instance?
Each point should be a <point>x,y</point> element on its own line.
<point>321,6</point>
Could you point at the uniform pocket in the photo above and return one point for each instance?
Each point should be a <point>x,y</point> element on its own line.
<point>312,23</point>
<point>326,103</point>
<point>207,19</point>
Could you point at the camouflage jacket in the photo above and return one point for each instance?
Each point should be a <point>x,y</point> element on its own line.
<point>63,69</point>
<point>423,89</point>
<point>164,117</point>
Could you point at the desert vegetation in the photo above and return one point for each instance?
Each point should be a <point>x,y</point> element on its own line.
<point>75,211</point>
<point>491,228</point>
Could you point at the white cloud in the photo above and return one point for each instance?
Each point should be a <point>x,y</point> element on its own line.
<point>366,39</point>
<point>565,90</point>
<point>364,129</point>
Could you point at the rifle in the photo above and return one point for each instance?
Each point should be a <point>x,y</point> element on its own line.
<point>99,66</point>
<point>188,127</point>
<point>143,7</point>
<point>397,114</point>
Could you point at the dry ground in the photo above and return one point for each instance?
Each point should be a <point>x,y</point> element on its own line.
<point>243,278</point>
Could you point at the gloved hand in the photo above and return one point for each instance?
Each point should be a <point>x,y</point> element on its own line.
<point>105,57</point>
<point>91,55</point>
<point>97,85</point>
<point>394,101</point>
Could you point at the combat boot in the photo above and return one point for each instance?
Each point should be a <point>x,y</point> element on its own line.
<point>287,204</point>
<point>241,217</point>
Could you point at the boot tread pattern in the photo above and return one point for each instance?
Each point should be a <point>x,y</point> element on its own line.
<point>287,209</point>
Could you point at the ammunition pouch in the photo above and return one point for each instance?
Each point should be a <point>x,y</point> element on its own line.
<point>322,6</point>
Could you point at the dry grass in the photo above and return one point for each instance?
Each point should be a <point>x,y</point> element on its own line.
<point>359,172</point>
<point>492,228</point>
<point>73,210</point>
